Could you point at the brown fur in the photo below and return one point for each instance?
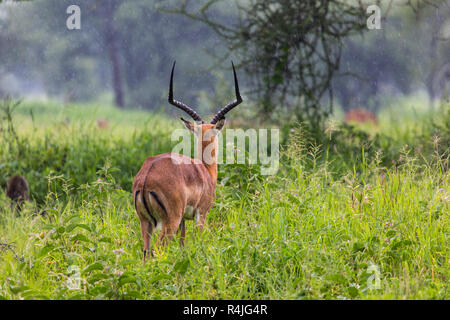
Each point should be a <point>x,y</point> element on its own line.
<point>162,190</point>
<point>102,124</point>
<point>360,116</point>
<point>17,190</point>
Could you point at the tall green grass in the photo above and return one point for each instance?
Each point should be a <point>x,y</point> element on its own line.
<point>333,223</point>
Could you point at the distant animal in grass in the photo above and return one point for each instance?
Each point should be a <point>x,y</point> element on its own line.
<point>360,116</point>
<point>17,190</point>
<point>102,124</point>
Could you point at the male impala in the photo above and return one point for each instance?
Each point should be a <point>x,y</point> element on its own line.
<point>171,188</point>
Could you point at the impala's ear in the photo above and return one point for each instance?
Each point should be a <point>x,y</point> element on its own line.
<point>220,124</point>
<point>189,125</point>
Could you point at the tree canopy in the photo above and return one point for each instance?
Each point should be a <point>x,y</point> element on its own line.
<point>294,58</point>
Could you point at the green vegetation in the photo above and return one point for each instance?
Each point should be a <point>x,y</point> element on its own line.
<point>343,205</point>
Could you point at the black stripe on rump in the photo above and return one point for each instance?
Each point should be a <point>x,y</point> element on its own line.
<point>144,198</point>
<point>146,207</point>
<point>159,201</point>
<point>135,200</point>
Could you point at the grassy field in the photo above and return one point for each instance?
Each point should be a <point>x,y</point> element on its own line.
<point>350,215</point>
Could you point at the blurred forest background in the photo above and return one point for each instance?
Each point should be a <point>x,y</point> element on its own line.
<point>296,59</point>
<point>80,110</point>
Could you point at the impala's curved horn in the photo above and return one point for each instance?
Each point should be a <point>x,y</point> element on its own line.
<point>179,104</point>
<point>221,114</point>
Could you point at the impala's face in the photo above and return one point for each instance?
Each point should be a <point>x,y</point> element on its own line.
<point>206,136</point>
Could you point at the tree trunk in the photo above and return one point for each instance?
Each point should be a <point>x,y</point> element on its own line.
<point>111,44</point>
<point>436,20</point>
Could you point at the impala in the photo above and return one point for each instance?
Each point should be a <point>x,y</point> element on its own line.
<point>171,188</point>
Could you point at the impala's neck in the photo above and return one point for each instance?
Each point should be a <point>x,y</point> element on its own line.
<point>207,149</point>
<point>212,170</point>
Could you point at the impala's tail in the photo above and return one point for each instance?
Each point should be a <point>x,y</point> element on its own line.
<point>150,206</point>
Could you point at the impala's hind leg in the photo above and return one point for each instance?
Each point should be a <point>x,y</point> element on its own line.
<point>169,229</point>
<point>146,230</point>
<point>146,225</point>
<point>182,230</point>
